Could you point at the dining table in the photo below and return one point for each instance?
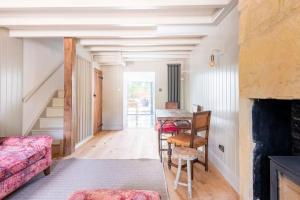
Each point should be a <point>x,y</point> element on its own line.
<point>173,115</point>
<point>167,115</point>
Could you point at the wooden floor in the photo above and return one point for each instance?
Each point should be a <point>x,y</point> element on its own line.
<point>142,143</point>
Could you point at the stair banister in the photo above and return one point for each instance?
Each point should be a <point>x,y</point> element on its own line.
<point>34,90</point>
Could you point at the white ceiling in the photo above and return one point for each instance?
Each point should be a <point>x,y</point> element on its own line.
<point>132,29</point>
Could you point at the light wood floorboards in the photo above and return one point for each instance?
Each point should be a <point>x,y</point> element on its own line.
<point>142,143</point>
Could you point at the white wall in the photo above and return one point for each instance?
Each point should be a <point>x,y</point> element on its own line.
<point>40,58</point>
<point>161,77</point>
<point>112,97</point>
<point>217,90</point>
<point>83,53</point>
<point>11,57</point>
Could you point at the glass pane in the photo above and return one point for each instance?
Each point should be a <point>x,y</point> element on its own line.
<point>140,100</point>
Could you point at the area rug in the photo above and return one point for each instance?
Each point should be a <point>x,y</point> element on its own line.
<point>70,175</point>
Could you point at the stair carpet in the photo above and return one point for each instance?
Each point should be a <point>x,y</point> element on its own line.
<point>52,122</point>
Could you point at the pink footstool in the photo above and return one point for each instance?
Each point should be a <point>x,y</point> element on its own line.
<point>110,194</point>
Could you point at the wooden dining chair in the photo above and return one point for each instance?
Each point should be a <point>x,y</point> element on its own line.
<point>200,123</point>
<point>186,125</point>
<point>166,127</point>
<point>199,108</point>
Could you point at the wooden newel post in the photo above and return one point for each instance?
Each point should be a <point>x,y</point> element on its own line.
<point>69,100</point>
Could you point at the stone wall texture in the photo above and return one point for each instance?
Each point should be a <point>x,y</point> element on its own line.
<point>269,67</point>
<point>270,49</point>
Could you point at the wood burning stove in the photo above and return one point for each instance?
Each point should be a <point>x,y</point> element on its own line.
<point>285,177</point>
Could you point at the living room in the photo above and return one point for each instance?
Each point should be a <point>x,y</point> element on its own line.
<point>149,99</point>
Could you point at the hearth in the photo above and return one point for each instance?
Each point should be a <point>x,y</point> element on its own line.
<point>276,132</point>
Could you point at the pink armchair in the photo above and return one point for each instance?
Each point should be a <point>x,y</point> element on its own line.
<point>21,158</point>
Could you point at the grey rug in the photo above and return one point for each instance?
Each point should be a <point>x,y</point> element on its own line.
<point>70,175</point>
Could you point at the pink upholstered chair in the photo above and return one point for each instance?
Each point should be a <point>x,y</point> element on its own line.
<point>21,158</point>
<point>109,194</point>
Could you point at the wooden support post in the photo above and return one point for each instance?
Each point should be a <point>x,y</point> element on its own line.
<point>69,101</point>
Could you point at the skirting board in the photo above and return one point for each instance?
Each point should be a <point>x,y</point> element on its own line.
<point>83,141</point>
<point>230,177</point>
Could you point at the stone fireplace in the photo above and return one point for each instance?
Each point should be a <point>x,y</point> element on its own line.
<point>269,87</point>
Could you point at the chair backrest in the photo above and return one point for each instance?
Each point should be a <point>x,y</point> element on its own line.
<point>200,122</point>
<point>199,108</point>
<point>171,105</point>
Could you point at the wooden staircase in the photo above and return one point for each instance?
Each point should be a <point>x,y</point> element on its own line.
<point>51,122</point>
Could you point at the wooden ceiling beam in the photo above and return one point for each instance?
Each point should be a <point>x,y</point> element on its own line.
<point>102,34</point>
<point>104,4</point>
<point>81,21</point>
<point>125,54</point>
<point>140,42</point>
<point>139,48</point>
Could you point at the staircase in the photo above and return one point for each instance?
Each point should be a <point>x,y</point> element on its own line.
<point>51,122</point>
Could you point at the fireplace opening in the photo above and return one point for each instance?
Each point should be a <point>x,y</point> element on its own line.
<point>276,132</point>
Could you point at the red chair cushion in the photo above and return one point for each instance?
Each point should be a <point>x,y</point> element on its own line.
<point>167,127</point>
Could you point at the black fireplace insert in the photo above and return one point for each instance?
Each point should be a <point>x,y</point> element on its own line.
<point>276,132</point>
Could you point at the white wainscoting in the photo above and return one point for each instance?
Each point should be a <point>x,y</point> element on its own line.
<point>84,72</point>
<point>217,89</point>
<point>11,62</point>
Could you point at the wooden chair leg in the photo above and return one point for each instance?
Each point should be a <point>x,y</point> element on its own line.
<point>206,157</point>
<point>47,171</point>
<point>169,155</point>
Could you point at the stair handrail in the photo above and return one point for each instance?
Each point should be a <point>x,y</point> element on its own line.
<point>34,90</point>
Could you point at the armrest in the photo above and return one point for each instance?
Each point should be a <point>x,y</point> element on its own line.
<point>40,141</point>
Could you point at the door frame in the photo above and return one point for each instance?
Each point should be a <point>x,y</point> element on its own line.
<point>125,92</point>
<point>97,72</point>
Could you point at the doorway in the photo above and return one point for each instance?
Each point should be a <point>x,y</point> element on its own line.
<point>139,99</point>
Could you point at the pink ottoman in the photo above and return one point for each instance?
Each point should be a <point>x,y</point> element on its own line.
<point>110,194</point>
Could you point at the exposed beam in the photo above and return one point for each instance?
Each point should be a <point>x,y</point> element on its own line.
<point>61,21</point>
<point>142,53</point>
<point>104,4</point>
<point>98,33</point>
<point>151,59</point>
<point>156,56</point>
<point>147,48</point>
<point>140,42</point>
<point>69,98</point>
<point>222,13</point>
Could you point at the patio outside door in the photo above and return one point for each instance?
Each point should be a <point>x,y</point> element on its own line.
<point>140,99</point>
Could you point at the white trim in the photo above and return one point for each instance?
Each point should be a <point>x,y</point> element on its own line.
<point>227,173</point>
<point>84,141</point>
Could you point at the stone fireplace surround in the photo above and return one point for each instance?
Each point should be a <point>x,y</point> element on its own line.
<point>269,68</point>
